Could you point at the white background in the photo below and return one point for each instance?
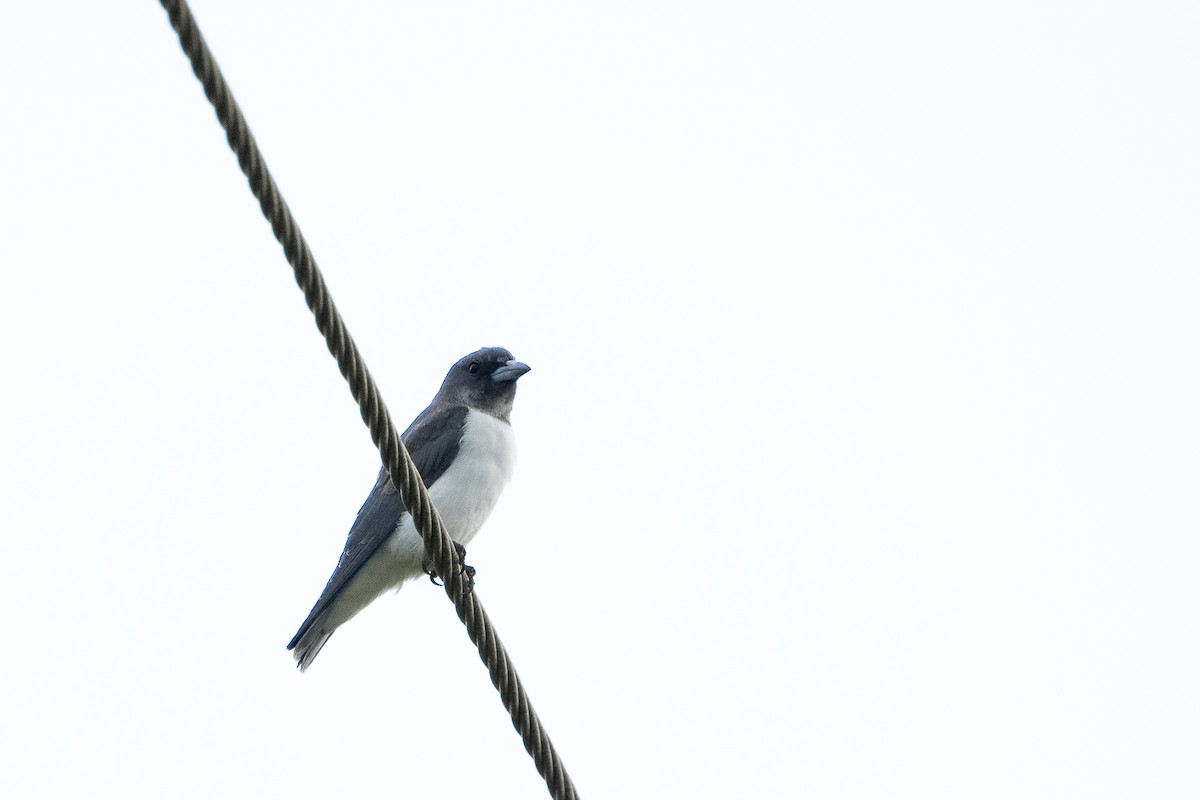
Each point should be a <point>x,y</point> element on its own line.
<point>859,459</point>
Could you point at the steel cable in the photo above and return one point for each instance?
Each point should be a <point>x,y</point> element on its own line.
<point>438,546</point>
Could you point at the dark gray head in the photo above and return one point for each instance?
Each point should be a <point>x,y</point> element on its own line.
<point>485,380</point>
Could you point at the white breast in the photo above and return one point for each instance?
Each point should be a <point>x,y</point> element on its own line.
<point>467,492</point>
<point>464,496</point>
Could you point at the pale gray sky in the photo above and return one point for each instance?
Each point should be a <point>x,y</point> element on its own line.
<point>859,459</point>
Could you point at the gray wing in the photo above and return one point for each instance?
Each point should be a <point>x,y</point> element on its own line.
<point>432,441</point>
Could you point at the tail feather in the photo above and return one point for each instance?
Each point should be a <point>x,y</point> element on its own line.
<point>309,640</point>
<point>309,647</point>
<point>376,577</point>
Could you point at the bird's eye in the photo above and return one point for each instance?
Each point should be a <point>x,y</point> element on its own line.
<point>473,368</point>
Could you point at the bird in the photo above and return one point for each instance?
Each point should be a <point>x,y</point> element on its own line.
<point>464,448</point>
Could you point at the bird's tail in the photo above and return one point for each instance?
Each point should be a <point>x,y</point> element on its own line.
<point>309,640</point>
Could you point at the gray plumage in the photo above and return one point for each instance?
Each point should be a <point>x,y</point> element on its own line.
<point>463,447</point>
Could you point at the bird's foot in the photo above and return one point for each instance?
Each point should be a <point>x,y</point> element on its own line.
<point>428,570</point>
<point>469,571</point>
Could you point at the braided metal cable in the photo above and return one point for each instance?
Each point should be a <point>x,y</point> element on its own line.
<point>438,546</point>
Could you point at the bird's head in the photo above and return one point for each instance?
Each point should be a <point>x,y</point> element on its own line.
<point>485,380</point>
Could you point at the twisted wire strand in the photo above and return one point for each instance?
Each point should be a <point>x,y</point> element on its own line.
<point>438,546</point>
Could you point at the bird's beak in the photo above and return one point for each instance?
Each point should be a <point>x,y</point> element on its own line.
<point>510,371</point>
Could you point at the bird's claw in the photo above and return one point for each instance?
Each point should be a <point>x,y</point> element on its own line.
<point>469,571</point>
<point>466,569</point>
<point>428,570</point>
